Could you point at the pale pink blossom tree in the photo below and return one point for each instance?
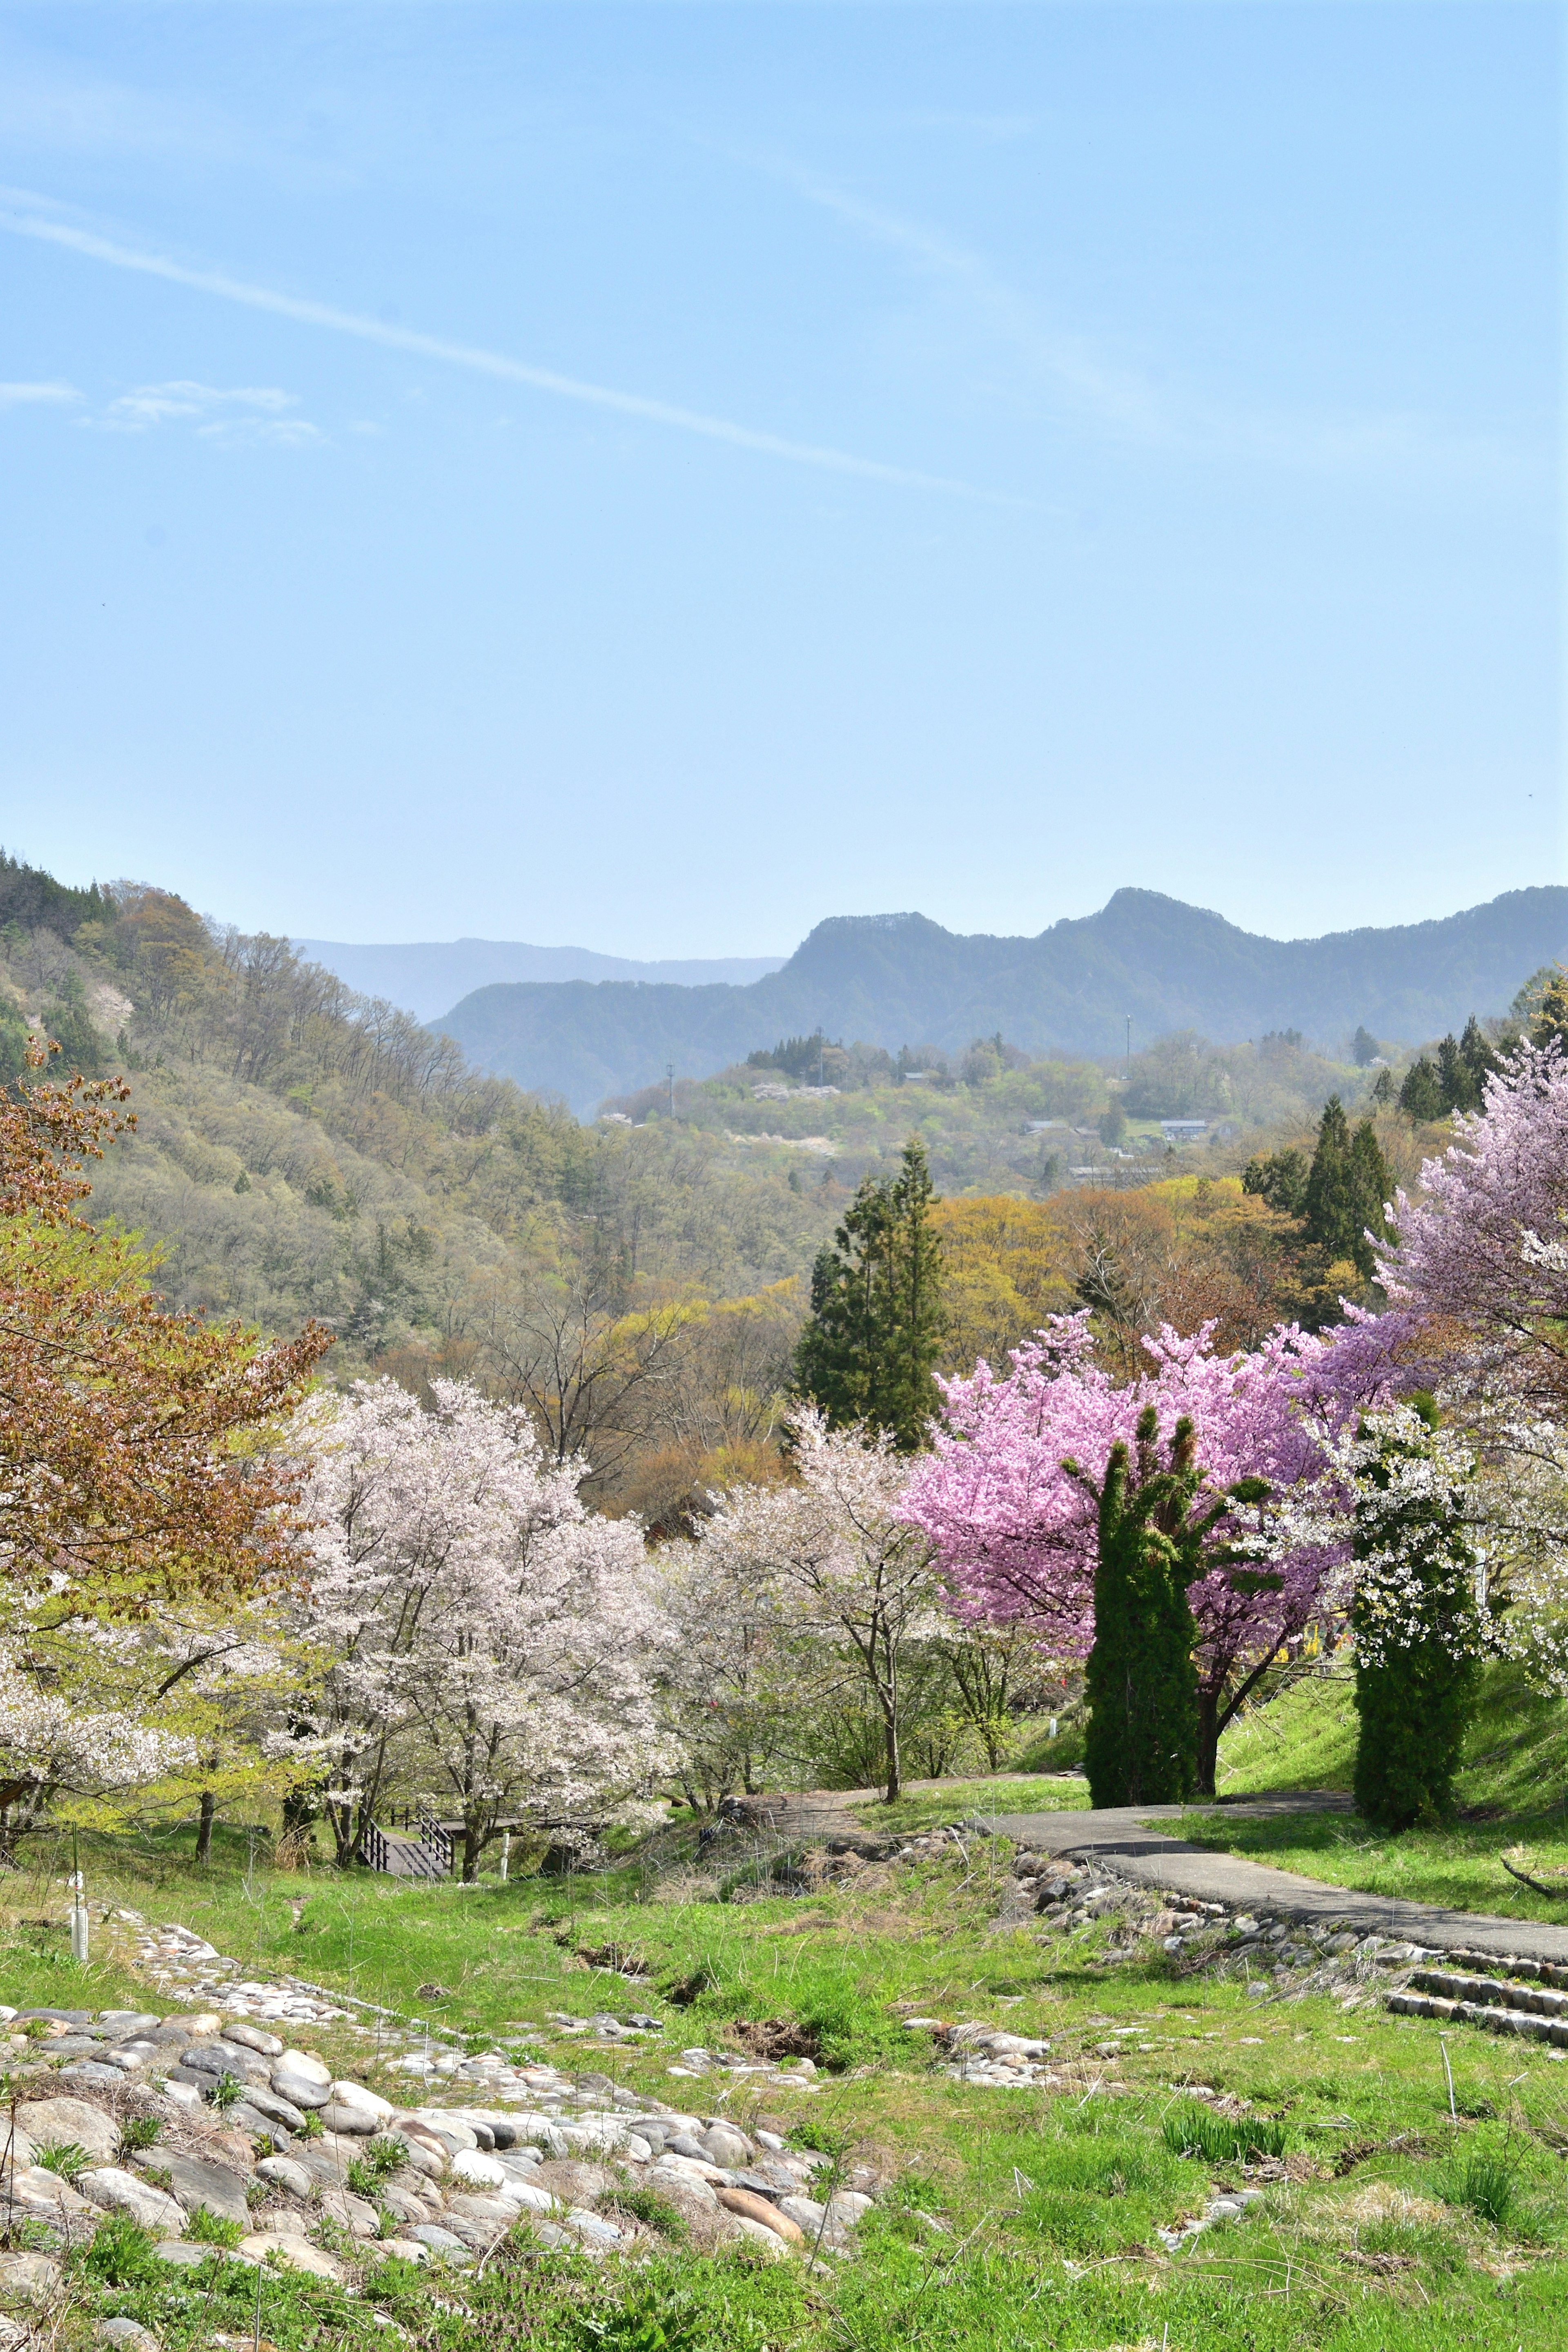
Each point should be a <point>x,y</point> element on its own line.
<point>1014,1530</point>
<point>1481,1263</point>
<point>1483,1253</point>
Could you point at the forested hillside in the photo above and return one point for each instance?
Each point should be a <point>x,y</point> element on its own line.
<point>900,980</point>
<point>302,1152</point>
<point>639,1283</point>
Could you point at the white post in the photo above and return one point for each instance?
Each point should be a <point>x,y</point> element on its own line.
<point>505,1854</point>
<point>1053,1727</point>
<point>78,1919</point>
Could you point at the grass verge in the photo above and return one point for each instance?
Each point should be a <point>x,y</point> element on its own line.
<point>1018,2218</point>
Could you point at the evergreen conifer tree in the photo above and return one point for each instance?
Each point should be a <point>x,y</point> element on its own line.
<point>1416,1620</point>
<point>1346,1189</point>
<point>870,1348</point>
<point>1141,1682</point>
<point>1480,1058</point>
<point>1421,1096</point>
<point>1453,1075</point>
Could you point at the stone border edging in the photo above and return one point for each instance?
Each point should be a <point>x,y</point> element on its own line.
<point>1127,1838</point>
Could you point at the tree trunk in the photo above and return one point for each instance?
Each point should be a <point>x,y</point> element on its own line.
<point>894,1778</point>
<point>204,1827</point>
<point>1207,1762</point>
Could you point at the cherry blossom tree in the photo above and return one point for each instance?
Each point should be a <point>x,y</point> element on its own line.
<point>839,1562</point>
<point>54,1748</point>
<point>728,1688</point>
<point>1481,1264</point>
<point>1482,1253</point>
<point>1014,1526</point>
<point>489,1635</point>
<point>1418,1618</point>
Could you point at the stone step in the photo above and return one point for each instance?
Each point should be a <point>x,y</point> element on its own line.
<point>1509,1964</point>
<point>1529,2026</point>
<point>1488,1991</point>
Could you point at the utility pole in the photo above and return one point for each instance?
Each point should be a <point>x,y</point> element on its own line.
<point>1130,1045</point>
<point>669,1075</point>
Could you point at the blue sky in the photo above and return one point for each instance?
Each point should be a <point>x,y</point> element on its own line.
<point>654,477</point>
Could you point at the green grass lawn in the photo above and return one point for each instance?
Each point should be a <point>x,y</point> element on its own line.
<point>967,1801</point>
<point>1512,1792</point>
<point>1020,2219</point>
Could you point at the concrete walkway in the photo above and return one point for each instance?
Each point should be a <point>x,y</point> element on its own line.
<point>1126,1844</point>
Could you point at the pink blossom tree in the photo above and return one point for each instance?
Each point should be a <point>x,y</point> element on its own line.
<point>1014,1527</point>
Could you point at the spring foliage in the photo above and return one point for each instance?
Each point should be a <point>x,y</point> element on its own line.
<point>131,1439</point>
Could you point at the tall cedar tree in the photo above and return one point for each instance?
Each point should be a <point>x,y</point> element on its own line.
<point>1346,1189</point>
<point>1417,1680</point>
<point>869,1349</point>
<point>1141,1681</point>
<point>1456,1081</point>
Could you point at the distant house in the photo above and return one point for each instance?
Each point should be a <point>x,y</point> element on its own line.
<point>1183,1130</point>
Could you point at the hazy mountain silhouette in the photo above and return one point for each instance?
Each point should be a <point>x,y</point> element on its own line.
<point>425,975</point>
<point>894,980</point>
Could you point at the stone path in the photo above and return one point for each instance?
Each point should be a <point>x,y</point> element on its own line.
<point>1127,1843</point>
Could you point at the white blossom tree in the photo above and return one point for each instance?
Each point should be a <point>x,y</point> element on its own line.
<point>839,1568</point>
<point>729,1688</point>
<point>52,1747</point>
<point>488,1632</point>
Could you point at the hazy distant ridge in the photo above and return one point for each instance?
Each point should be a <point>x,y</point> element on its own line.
<point>427,976</point>
<point>894,980</point>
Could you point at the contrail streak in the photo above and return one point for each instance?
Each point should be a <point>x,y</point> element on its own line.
<point>474,357</point>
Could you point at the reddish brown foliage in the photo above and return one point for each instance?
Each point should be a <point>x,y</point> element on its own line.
<point>134,1460</point>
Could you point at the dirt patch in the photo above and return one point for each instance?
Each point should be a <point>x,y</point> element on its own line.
<point>623,1958</point>
<point>770,2039</point>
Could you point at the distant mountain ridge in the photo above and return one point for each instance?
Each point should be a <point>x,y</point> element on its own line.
<point>895,980</point>
<point>424,976</point>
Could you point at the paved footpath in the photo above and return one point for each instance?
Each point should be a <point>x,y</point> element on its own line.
<point>1127,1844</point>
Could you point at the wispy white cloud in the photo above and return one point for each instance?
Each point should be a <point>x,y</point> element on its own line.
<point>21,215</point>
<point>1004,326</point>
<point>240,413</point>
<point>33,396</point>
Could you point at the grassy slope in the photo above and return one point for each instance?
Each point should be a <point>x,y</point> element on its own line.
<point>925,1807</point>
<point>1047,2203</point>
<point>1515,1772</point>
